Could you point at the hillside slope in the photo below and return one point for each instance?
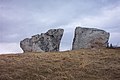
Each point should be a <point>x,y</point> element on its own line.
<point>84,64</point>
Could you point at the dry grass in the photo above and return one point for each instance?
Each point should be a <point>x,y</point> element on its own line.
<point>84,64</point>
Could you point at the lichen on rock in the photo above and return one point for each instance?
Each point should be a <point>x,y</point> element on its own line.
<point>45,42</point>
<point>89,38</point>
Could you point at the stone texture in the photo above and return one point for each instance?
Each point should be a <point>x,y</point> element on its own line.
<point>89,38</point>
<point>45,42</point>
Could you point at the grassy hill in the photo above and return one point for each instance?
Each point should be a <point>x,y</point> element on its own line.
<point>84,64</point>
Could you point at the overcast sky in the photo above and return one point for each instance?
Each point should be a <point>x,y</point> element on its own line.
<point>20,19</point>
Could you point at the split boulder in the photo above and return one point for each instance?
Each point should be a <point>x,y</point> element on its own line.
<point>89,38</point>
<point>45,42</point>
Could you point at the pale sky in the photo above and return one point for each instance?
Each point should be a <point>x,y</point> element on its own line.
<point>21,19</point>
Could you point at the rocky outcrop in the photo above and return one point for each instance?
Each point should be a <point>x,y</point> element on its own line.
<point>89,38</point>
<point>45,42</point>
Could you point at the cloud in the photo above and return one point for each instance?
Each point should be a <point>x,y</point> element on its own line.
<point>23,18</point>
<point>109,17</point>
<point>6,48</point>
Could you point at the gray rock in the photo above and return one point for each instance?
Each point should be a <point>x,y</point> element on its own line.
<point>90,38</point>
<point>46,42</point>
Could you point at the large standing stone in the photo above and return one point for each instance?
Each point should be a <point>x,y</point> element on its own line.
<point>89,38</point>
<point>46,42</point>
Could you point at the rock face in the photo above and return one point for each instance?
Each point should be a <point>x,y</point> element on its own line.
<point>89,38</point>
<point>46,42</point>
